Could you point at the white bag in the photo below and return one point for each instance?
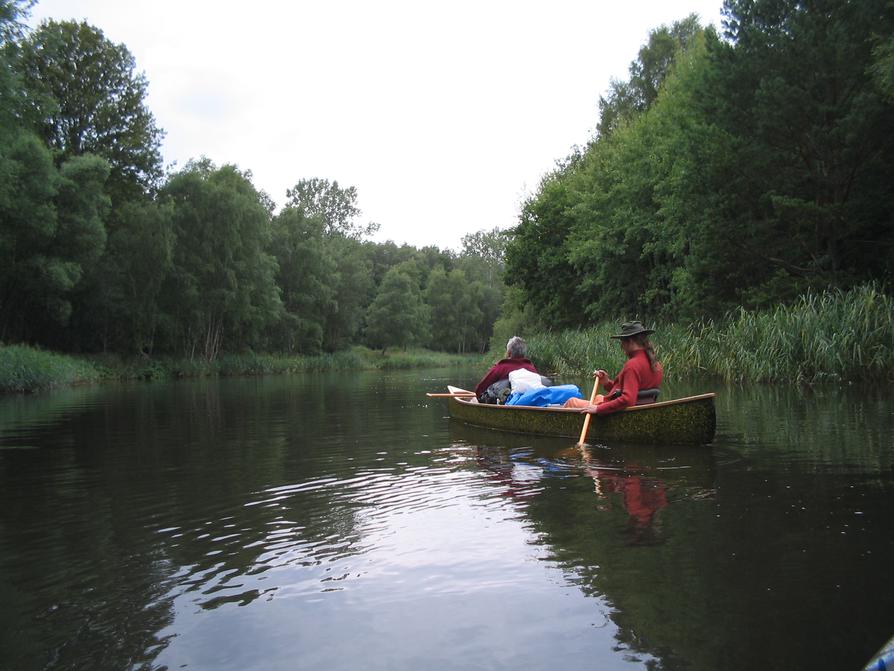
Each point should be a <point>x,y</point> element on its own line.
<point>523,381</point>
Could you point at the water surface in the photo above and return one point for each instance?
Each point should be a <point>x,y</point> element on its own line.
<point>341,521</point>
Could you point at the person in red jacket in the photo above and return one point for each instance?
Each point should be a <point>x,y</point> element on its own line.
<point>641,371</point>
<point>516,349</point>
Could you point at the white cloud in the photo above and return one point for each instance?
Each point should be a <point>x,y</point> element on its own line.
<point>443,115</point>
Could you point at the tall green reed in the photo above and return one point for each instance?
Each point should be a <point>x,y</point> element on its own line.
<point>28,369</point>
<point>830,335</point>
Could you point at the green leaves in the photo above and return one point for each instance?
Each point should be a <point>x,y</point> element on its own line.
<point>397,317</point>
<point>88,99</point>
<point>738,172</point>
<point>334,206</point>
<point>51,230</point>
<point>222,285</point>
<point>305,276</point>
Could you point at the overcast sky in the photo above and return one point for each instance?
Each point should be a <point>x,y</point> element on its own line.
<point>444,115</point>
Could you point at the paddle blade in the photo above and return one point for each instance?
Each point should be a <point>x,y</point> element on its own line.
<point>583,432</point>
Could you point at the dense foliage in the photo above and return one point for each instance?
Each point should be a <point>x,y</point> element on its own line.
<point>100,251</point>
<point>733,170</point>
<point>26,369</point>
<point>832,335</point>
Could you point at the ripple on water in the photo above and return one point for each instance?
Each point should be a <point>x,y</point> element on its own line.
<point>308,538</point>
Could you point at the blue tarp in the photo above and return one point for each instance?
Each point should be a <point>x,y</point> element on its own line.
<point>545,395</point>
<point>884,658</point>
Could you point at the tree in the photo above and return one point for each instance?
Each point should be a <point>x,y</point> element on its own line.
<point>13,102</point>
<point>883,68</point>
<point>483,260</point>
<point>12,29</point>
<point>336,207</point>
<point>305,277</point>
<point>537,259</point>
<point>386,255</point>
<point>463,311</point>
<point>486,250</point>
<point>51,216</point>
<point>89,100</point>
<point>796,88</point>
<point>743,171</point>
<point>397,316</point>
<point>647,73</point>
<point>353,285</point>
<point>27,224</point>
<point>591,241</point>
<point>221,290</point>
<point>137,262</point>
<point>12,15</point>
<point>50,230</point>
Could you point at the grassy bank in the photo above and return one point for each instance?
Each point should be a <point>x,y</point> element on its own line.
<point>828,336</point>
<point>24,369</point>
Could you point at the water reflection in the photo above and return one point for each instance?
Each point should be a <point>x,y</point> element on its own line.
<point>591,507</point>
<point>642,497</point>
<point>252,523</point>
<point>700,551</point>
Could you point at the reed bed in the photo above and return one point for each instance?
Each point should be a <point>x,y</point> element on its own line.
<point>25,368</point>
<point>826,336</point>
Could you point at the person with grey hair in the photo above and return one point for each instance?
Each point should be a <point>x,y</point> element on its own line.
<point>516,351</point>
<point>516,348</point>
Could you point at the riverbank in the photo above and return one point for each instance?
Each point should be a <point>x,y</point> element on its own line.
<point>26,369</point>
<point>831,336</point>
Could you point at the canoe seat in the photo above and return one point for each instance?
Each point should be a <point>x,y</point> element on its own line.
<point>646,396</point>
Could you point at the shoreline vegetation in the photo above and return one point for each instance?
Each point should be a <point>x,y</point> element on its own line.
<point>25,369</point>
<point>829,336</point>
<point>697,205</point>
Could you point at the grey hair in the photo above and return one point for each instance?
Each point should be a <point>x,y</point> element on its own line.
<point>516,347</point>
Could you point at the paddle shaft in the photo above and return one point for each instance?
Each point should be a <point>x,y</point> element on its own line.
<point>588,417</point>
<point>464,394</point>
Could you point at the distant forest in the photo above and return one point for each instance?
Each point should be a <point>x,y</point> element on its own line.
<point>100,251</point>
<point>734,168</point>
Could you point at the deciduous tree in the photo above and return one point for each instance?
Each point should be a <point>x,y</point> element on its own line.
<point>306,277</point>
<point>397,317</point>
<point>221,289</point>
<point>89,99</point>
<point>337,207</point>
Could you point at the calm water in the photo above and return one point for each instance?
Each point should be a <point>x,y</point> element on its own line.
<point>343,522</point>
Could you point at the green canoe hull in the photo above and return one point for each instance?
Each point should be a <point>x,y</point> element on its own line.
<point>685,421</point>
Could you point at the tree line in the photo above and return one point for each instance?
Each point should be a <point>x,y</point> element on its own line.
<point>101,250</point>
<point>740,167</point>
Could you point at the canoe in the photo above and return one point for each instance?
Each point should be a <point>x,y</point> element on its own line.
<point>683,421</point>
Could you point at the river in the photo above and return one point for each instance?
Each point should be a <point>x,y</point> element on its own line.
<point>342,521</point>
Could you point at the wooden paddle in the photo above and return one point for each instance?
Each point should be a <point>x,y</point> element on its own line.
<point>588,417</point>
<point>455,394</point>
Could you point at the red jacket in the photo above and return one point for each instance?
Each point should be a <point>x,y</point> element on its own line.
<point>635,375</point>
<point>500,371</point>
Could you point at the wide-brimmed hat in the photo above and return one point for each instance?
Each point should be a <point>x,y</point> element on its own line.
<point>629,329</point>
